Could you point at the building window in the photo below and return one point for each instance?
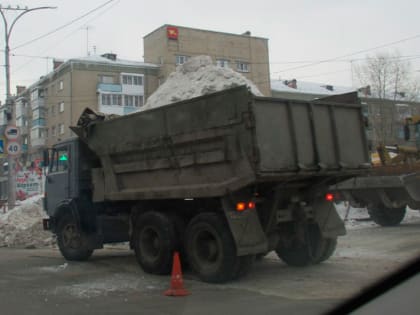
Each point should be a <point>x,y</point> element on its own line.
<point>61,129</point>
<point>61,106</point>
<point>128,100</point>
<point>222,63</point>
<point>111,99</point>
<point>180,59</point>
<point>36,94</point>
<point>242,66</point>
<point>37,133</point>
<point>107,79</point>
<point>38,113</point>
<point>52,110</point>
<point>133,100</point>
<point>61,85</point>
<point>53,131</point>
<point>132,79</point>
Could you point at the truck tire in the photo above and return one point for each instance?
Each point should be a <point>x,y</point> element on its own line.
<point>387,216</point>
<point>329,247</point>
<point>243,265</point>
<point>154,242</point>
<point>72,242</point>
<point>314,249</point>
<point>211,249</point>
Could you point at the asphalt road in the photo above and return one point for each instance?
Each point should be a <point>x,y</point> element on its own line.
<point>40,281</point>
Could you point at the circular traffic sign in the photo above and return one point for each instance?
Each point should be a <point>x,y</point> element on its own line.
<point>13,148</point>
<point>11,132</point>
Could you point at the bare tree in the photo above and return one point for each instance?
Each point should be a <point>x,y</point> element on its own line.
<point>389,77</point>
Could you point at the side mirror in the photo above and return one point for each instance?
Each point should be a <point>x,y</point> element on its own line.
<point>46,158</point>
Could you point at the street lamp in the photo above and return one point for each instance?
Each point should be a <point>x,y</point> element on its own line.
<point>7,32</point>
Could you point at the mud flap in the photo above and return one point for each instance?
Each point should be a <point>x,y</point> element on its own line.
<point>412,184</point>
<point>329,222</point>
<point>246,230</point>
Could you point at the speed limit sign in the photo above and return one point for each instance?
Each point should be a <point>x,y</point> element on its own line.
<point>13,148</point>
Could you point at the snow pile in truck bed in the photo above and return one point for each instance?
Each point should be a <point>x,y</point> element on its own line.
<point>198,76</point>
<point>22,225</point>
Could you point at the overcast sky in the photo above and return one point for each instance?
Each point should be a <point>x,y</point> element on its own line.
<point>298,31</point>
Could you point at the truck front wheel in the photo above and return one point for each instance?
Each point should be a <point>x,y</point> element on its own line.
<point>154,242</point>
<point>387,216</point>
<point>71,241</point>
<point>312,248</point>
<point>211,249</point>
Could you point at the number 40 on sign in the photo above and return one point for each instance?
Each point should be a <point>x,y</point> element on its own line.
<point>13,148</point>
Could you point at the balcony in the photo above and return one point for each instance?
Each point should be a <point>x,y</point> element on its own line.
<point>107,87</point>
<point>39,102</point>
<point>117,110</point>
<point>40,122</point>
<point>22,110</point>
<point>38,142</point>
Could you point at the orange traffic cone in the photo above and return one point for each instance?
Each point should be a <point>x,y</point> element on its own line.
<point>177,284</point>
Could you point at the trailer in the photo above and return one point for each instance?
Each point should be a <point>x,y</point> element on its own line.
<point>220,178</point>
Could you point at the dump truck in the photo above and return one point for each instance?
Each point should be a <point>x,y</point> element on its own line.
<point>220,178</point>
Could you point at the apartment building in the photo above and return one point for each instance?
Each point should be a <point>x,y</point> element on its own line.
<point>46,109</point>
<point>170,45</point>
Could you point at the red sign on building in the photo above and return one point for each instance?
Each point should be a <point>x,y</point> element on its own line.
<point>172,32</point>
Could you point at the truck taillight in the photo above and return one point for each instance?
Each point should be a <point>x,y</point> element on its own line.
<point>241,206</point>
<point>329,197</point>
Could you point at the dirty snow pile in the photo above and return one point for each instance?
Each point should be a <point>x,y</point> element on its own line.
<point>22,225</point>
<point>198,76</point>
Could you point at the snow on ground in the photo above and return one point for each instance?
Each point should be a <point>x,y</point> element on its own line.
<point>22,225</point>
<point>112,283</point>
<point>198,76</point>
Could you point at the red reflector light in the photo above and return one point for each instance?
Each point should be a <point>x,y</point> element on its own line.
<point>240,206</point>
<point>329,197</point>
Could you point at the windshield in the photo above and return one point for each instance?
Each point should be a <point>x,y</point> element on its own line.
<point>59,161</point>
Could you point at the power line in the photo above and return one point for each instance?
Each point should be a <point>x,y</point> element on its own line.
<point>67,36</point>
<point>352,54</point>
<point>62,26</point>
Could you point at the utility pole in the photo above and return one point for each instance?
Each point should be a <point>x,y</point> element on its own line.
<point>11,200</point>
<point>87,28</point>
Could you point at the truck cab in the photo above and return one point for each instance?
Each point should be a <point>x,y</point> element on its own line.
<point>69,174</point>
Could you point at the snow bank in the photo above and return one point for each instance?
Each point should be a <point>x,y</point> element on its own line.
<point>22,226</point>
<point>198,76</point>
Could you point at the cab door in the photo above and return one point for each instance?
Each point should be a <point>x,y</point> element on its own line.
<point>57,184</point>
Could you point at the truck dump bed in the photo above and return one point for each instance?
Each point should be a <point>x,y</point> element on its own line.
<point>221,142</point>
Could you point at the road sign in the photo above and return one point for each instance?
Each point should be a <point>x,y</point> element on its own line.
<point>11,132</point>
<point>13,148</point>
<point>2,145</point>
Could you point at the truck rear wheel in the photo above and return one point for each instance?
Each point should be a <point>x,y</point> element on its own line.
<point>71,241</point>
<point>313,249</point>
<point>387,216</point>
<point>211,249</point>
<point>329,246</point>
<point>154,242</point>
<point>243,265</point>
